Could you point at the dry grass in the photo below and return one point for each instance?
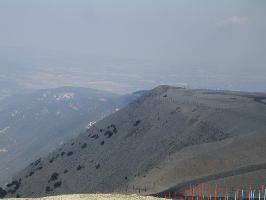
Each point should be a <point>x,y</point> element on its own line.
<point>93,197</point>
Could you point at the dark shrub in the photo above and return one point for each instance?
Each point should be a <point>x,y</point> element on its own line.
<point>57,184</point>
<point>96,136</point>
<point>39,168</point>
<point>9,184</point>
<point>84,145</point>
<point>108,134</point>
<point>137,123</point>
<point>31,173</point>
<point>54,176</point>
<point>102,143</point>
<point>3,193</point>
<point>51,160</point>
<point>48,189</point>
<point>115,130</point>
<point>70,153</point>
<point>17,185</point>
<point>80,167</point>
<point>65,171</point>
<point>37,162</point>
<point>111,126</point>
<point>98,166</point>
<point>62,153</point>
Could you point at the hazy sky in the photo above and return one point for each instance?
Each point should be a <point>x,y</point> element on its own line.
<point>226,37</point>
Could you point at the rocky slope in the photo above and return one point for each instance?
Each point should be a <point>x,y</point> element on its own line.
<point>164,141</point>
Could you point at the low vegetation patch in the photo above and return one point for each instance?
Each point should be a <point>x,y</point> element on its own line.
<point>11,187</point>
<point>52,160</point>
<point>3,193</point>
<point>37,162</point>
<point>84,146</point>
<point>57,184</point>
<point>80,167</point>
<point>48,189</point>
<point>31,173</point>
<point>54,176</point>
<point>137,123</point>
<point>97,166</point>
<point>108,134</point>
<point>96,136</point>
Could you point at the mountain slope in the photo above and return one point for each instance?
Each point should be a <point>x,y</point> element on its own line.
<point>35,123</point>
<point>165,140</point>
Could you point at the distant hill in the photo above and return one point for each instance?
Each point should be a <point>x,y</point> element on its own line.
<point>165,140</point>
<point>8,88</point>
<point>35,123</point>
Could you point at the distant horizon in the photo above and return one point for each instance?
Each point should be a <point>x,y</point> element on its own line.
<point>124,46</point>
